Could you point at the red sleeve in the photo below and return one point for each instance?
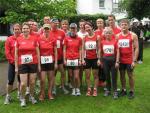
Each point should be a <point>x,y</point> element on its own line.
<point>36,39</point>
<point>80,41</point>
<point>116,44</point>
<point>65,41</point>
<point>7,50</point>
<point>63,34</point>
<point>17,44</point>
<point>101,48</point>
<point>55,42</point>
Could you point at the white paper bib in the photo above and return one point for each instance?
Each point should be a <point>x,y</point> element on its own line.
<point>108,49</point>
<point>25,59</point>
<point>72,62</point>
<point>46,59</point>
<point>89,45</point>
<point>124,43</point>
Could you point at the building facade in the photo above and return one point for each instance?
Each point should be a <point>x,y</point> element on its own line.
<point>100,6</point>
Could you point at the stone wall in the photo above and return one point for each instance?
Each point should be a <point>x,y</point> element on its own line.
<point>3,77</point>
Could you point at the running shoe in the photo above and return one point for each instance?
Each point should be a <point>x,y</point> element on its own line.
<point>123,92</point>
<point>73,92</point>
<point>107,93</point>
<point>50,96</point>
<point>33,100</point>
<point>23,103</point>
<point>78,93</point>
<point>95,92</point>
<point>115,95</point>
<point>131,95</point>
<point>89,91</point>
<point>7,100</point>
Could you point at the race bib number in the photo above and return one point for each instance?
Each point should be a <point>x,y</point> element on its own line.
<point>46,59</point>
<point>108,49</point>
<point>90,45</point>
<point>25,59</point>
<point>72,62</point>
<point>58,43</point>
<point>124,43</point>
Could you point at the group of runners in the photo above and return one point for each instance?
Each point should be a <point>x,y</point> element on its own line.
<point>34,54</point>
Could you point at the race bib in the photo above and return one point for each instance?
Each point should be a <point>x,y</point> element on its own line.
<point>25,59</point>
<point>72,62</point>
<point>58,43</point>
<point>89,45</point>
<point>46,59</point>
<point>124,43</point>
<point>108,49</point>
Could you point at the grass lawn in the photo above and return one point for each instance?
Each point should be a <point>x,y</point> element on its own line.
<point>71,104</point>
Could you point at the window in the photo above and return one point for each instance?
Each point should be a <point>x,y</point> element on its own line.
<point>115,5</point>
<point>101,3</point>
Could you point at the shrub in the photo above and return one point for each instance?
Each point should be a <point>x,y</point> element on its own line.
<point>2,51</point>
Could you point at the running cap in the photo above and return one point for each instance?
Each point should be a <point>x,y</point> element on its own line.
<point>54,20</point>
<point>45,26</point>
<point>73,25</point>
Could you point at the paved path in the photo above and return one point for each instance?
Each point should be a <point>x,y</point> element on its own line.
<point>3,78</point>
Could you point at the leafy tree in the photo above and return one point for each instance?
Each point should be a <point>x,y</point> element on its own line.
<point>136,8</point>
<point>21,10</point>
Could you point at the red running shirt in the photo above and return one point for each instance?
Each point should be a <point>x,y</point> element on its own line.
<point>59,35</point>
<point>108,48</point>
<point>90,45</point>
<point>99,33</point>
<point>72,47</point>
<point>27,50</point>
<point>125,44</point>
<point>46,46</point>
<point>10,48</point>
<point>116,31</point>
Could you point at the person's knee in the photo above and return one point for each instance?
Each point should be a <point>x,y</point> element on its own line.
<point>23,84</point>
<point>130,75</point>
<point>42,81</point>
<point>76,77</point>
<point>32,82</point>
<point>88,77</point>
<point>95,77</point>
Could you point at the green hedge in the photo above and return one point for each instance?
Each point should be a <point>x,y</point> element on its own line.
<point>90,18</point>
<point>2,51</point>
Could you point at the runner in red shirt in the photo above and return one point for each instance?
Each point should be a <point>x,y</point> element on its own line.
<point>35,35</point>
<point>48,54</point>
<point>82,33</point>
<point>128,49</point>
<point>65,26</point>
<point>59,36</point>
<point>72,57</point>
<point>90,58</point>
<point>99,33</point>
<point>46,20</point>
<point>100,28</point>
<point>9,52</point>
<point>27,60</point>
<point>109,51</point>
<point>35,27</point>
<point>111,22</point>
<point>32,28</point>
